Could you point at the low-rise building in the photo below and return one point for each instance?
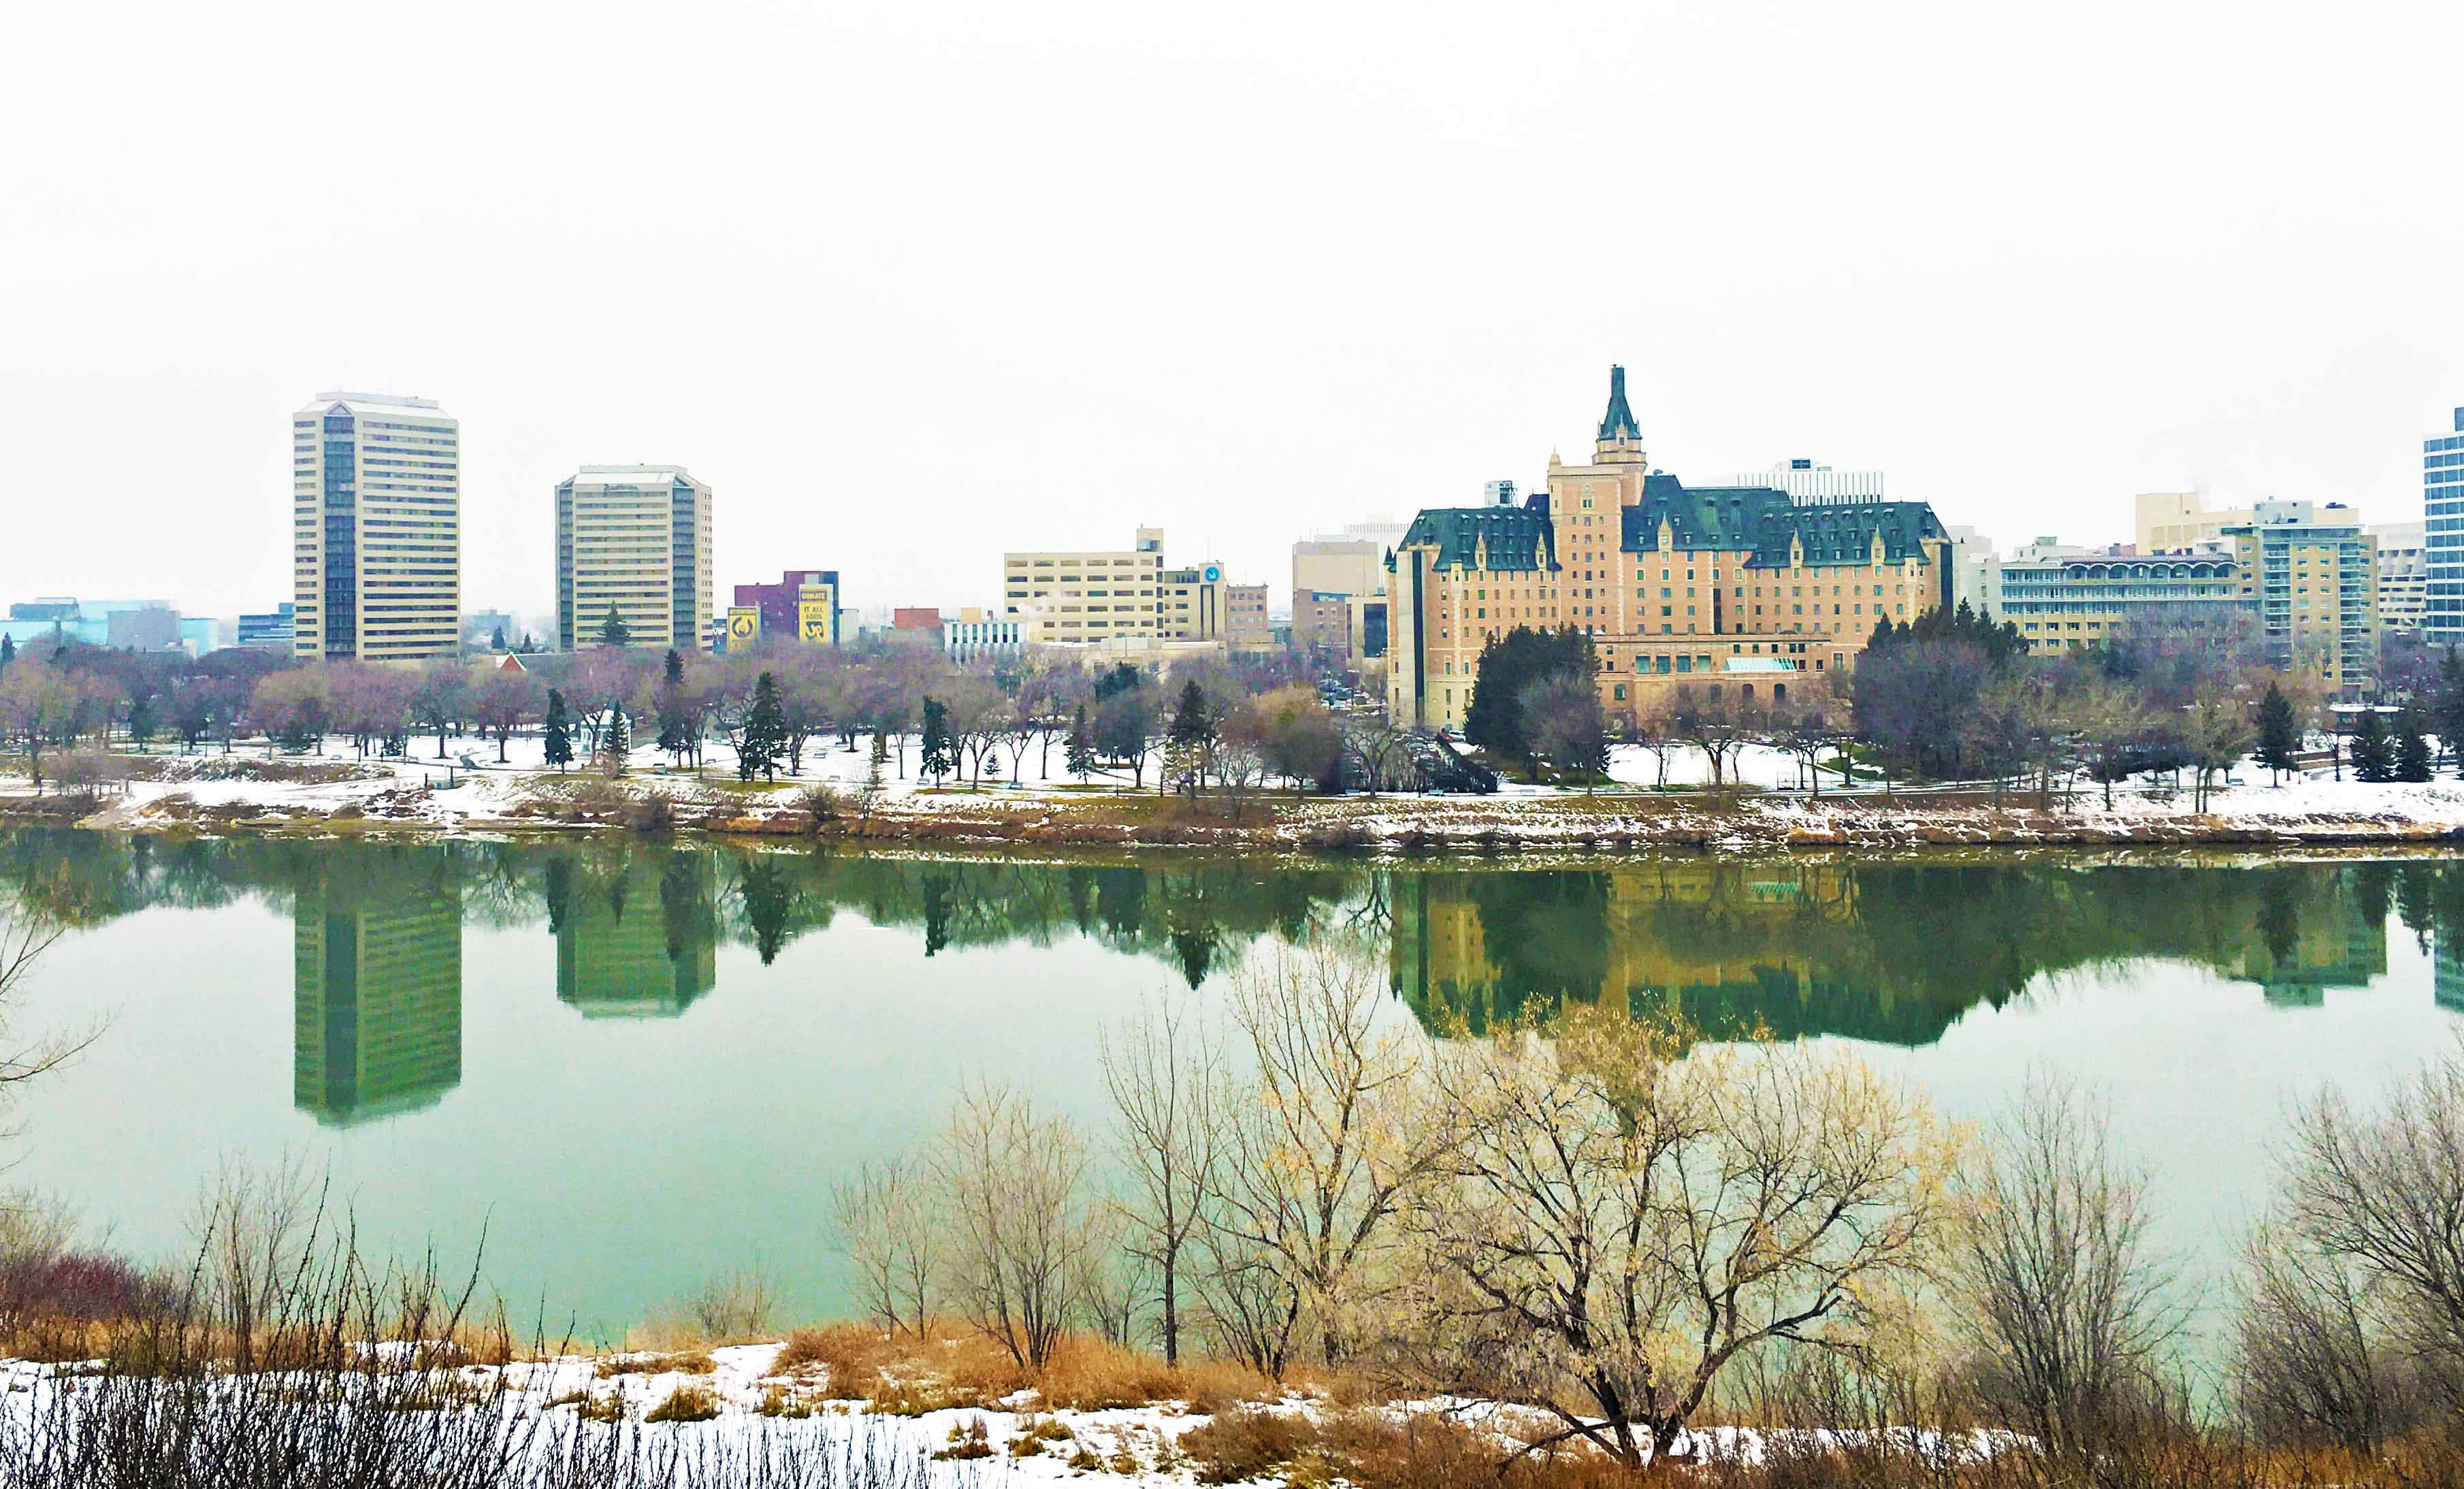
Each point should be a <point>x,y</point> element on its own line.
<point>269,631</point>
<point>2404,574</point>
<point>803,604</point>
<point>1245,626</point>
<point>2062,598</point>
<point>977,632</point>
<point>1062,596</point>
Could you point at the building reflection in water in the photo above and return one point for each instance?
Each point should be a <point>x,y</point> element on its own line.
<point>1887,951</point>
<point>638,937</point>
<point>377,957</point>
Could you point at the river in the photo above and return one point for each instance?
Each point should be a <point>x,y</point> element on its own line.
<point>633,1065</point>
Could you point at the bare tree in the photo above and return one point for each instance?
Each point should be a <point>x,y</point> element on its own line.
<point>1165,1076</point>
<point>887,1229</point>
<point>254,1229</point>
<point>2385,1194</point>
<point>1321,1152</point>
<point>2064,1302</point>
<point>1619,1225</point>
<point>1020,1222</point>
<point>2304,1364</point>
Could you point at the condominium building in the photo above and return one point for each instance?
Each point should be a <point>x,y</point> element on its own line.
<point>2314,575</point>
<point>376,529</point>
<point>1062,596</point>
<point>2064,600</point>
<point>2403,577</point>
<point>1741,588</point>
<point>2173,521</point>
<point>634,539</point>
<point>2442,500</point>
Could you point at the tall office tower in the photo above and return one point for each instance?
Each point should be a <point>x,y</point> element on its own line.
<point>634,539</point>
<point>2442,500</point>
<point>376,529</point>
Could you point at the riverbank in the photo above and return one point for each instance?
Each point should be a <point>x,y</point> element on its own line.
<point>253,793</point>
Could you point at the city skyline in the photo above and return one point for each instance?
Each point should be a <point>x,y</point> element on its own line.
<point>1306,290</point>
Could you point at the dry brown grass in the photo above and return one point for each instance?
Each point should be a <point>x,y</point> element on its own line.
<point>1370,1449</point>
<point>953,1367</point>
<point>692,1362</point>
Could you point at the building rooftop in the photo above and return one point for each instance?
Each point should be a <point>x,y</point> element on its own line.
<point>373,402</point>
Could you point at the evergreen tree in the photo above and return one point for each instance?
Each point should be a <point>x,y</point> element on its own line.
<point>676,729</point>
<point>2447,707</point>
<point>559,731</point>
<point>940,753</point>
<point>2412,759</point>
<point>496,641</point>
<point>616,741</point>
<point>9,649</point>
<point>1510,666</point>
<point>140,718</point>
<point>2373,754</point>
<point>1122,678</point>
<point>2279,736</point>
<point>765,733</point>
<point>614,631</point>
<point>1082,745</point>
<point>1192,731</point>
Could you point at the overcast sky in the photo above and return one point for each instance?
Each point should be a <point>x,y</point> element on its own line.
<point>911,284</point>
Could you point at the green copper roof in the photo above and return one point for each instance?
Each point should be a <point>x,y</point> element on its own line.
<point>1513,535</point>
<point>1618,424</point>
<point>1757,519</point>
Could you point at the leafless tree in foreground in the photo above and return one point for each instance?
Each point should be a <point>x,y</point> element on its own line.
<point>22,944</point>
<point>1320,1152</point>
<point>2384,1195</point>
<point>2067,1307</point>
<point>888,1228</point>
<point>1165,1077</point>
<point>2304,1366</point>
<point>1620,1223</point>
<point>1019,1221</point>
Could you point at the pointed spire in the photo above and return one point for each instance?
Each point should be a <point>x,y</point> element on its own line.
<point>1618,422</point>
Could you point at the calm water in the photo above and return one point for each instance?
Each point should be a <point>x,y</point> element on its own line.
<point>637,1065</point>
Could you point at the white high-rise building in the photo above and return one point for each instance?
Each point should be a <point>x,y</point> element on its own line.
<point>634,539</point>
<point>2442,502</point>
<point>376,533</point>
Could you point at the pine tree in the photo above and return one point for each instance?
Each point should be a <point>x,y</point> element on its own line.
<point>1192,729</point>
<point>675,721</point>
<point>872,769</point>
<point>2279,736</point>
<point>616,741</point>
<point>2373,754</point>
<point>9,650</point>
<point>1082,745</point>
<point>2411,759</point>
<point>614,631</point>
<point>140,718</point>
<point>497,642</point>
<point>765,733</point>
<point>559,731</point>
<point>940,755</point>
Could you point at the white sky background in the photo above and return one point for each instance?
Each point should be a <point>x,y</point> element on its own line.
<point>912,284</point>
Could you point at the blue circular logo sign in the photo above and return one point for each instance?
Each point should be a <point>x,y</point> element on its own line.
<point>1213,574</point>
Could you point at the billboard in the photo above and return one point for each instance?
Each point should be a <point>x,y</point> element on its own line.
<point>817,613</point>
<point>744,625</point>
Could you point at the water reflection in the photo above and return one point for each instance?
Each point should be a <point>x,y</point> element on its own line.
<point>377,987</point>
<point>1889,952</point>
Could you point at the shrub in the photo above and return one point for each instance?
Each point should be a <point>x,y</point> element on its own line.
<point>820,805</point>
<point>689,1401</point>
<point>1245,1444</point>
<point>968,1440</point>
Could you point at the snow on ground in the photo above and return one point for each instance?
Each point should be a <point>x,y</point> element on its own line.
<point>1131,1445</point>
<point>445,794</point>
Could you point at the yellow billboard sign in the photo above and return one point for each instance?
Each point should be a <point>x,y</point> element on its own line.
<point>744,625</point>
<point>816,618</point>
